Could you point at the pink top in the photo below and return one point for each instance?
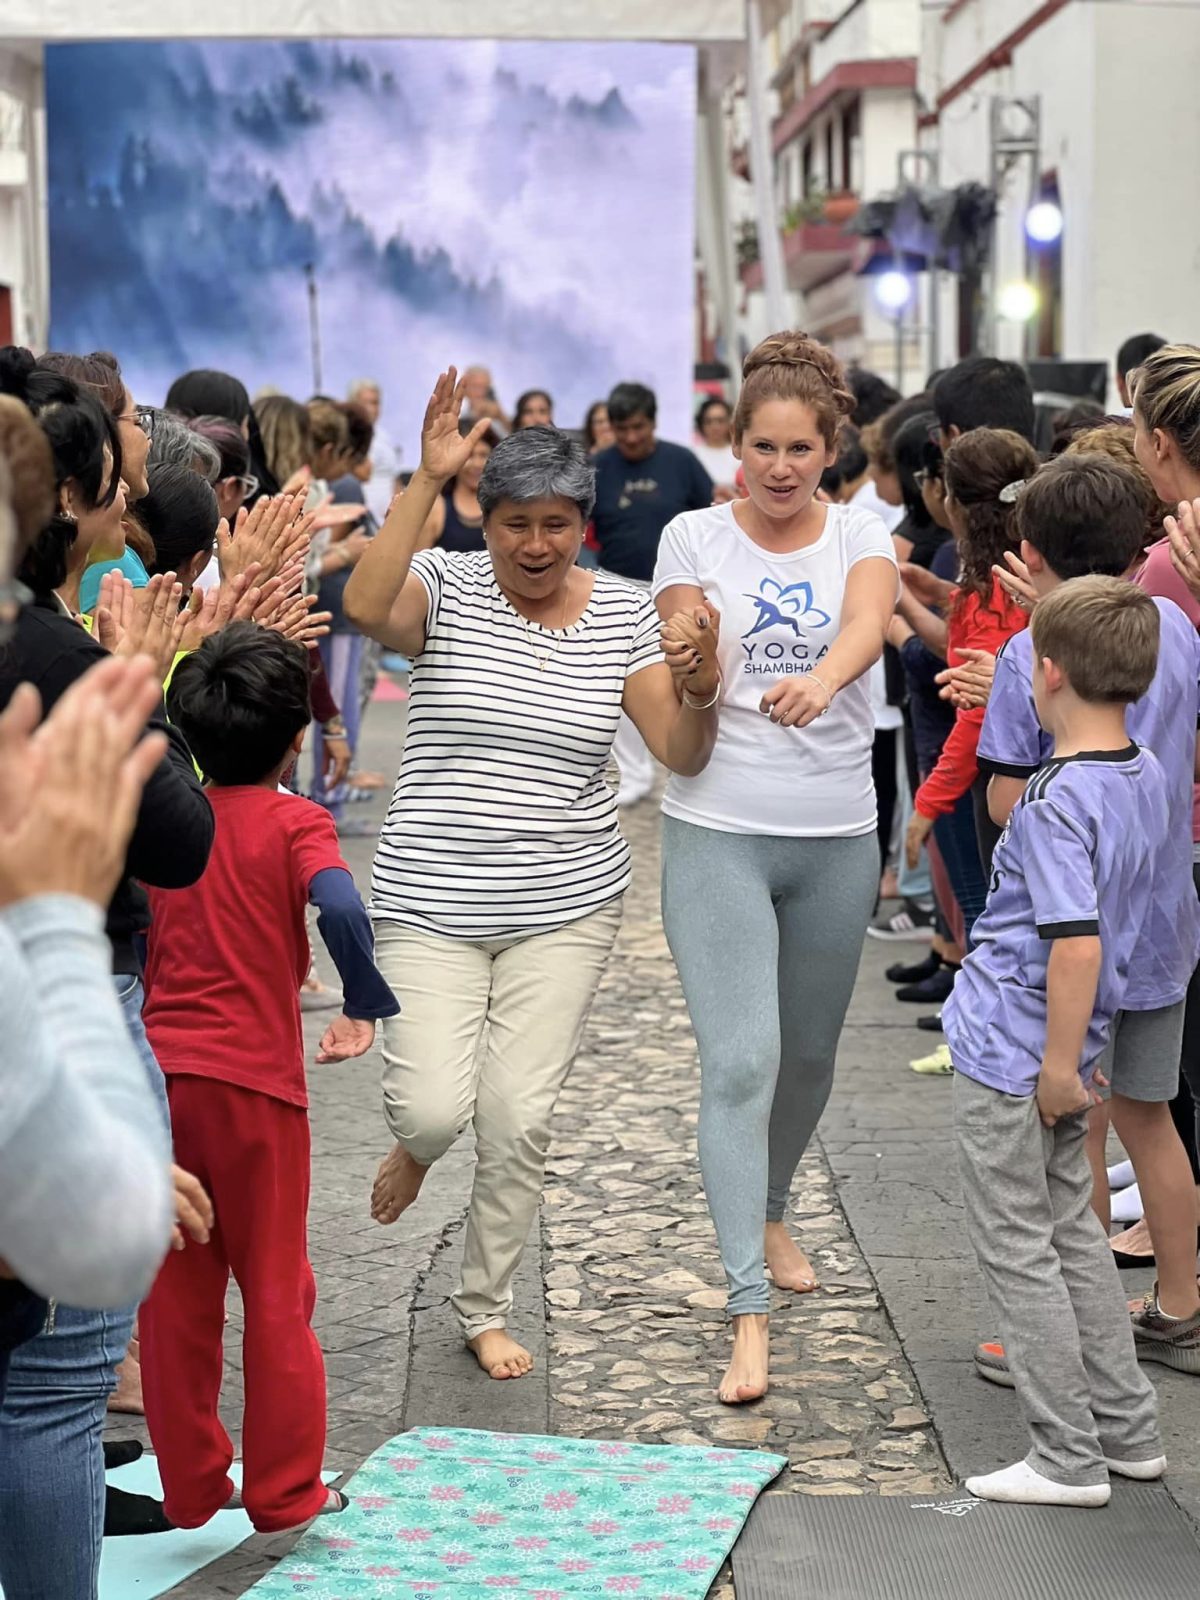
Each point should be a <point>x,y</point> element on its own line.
<point>1157,576</point>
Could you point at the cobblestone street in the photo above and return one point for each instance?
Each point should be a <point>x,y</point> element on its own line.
<point>620,1296</point>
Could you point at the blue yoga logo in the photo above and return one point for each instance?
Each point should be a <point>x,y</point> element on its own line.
<point>785,606</point>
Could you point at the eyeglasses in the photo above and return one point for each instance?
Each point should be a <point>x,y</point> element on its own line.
<point>143,417</point>
<point>924,475</point>
<point>246,484</point>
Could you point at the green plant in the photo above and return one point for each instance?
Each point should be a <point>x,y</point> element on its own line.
<point>746,243</point>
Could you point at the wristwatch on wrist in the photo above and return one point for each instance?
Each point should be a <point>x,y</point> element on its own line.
<point>335,728</point>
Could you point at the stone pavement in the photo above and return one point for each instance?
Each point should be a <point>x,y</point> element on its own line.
<point>620,1294</point>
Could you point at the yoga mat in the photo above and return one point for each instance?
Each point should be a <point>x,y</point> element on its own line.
<point>152,1563</point>
<point>467,1515</point>
<point>869,1548</point>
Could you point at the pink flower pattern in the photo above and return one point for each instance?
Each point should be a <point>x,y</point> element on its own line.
<point>674,1505</point>
<point>414,1535</point>
<point>574,1564</point>
<point>603,1527</point>
<point>561,1500</point>
<point>445,1491</point>
<point>623,1583</point>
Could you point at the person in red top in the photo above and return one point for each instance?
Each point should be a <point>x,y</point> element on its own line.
<point>225,962</point>
<point>983,471</point>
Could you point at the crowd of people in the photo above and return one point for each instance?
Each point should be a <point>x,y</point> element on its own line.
<point>889,656</point>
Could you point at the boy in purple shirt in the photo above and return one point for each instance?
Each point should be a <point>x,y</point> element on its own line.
<point>1084,514</point>
<point>1026,1024</point>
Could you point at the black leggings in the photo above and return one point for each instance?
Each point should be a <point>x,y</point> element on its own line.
<point>883,771</point>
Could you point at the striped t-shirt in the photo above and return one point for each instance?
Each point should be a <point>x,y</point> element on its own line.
<point>502,822</point>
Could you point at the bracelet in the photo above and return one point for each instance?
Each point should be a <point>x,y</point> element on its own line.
<point>703,705</point>
<point>828,693</point>
<point>335,728</point>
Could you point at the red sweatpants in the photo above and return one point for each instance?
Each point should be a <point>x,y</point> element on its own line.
<point>251,1153</point>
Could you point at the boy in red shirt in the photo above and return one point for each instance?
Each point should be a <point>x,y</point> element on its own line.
<point>226,960</point>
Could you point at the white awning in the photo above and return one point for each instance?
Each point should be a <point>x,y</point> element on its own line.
<point>698,21</point>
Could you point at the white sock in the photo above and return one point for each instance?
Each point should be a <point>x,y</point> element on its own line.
<point>1121,1175</point>
<point>1021,1485</point>
<point>1127,1205</point>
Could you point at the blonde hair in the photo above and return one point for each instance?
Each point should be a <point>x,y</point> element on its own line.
<point>286,434</point>
<point>1165,391</point>
<point>791,366</point>
<point>1103,633</point>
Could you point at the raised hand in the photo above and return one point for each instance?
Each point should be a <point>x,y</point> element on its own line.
<point>1183,530</point>
<point>1014,579</point>
<point>444,451</point>
<point>967,684</point>
<point>70,789</point>
<point>267,536</point>
<point>690,639</point>
<point>145,622</point>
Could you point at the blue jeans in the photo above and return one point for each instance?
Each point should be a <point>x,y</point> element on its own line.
<point>52,1424</point>
<point>342,654</point>
<point>955,835</point>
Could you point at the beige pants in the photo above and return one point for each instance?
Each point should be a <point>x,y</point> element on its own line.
<point>533,994</point>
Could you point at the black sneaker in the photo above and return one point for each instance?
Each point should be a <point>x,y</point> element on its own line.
<point>931,1024</point>
<point>914,920</point>
<point>930,991</point>
<point>915,971</point>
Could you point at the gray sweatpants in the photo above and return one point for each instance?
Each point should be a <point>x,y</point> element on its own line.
<point>767,933</point>
<point>1053,1285</point>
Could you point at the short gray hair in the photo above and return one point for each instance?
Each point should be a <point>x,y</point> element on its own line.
<point>538,464</point>
<point>359,384</point>
<point>174,443</point>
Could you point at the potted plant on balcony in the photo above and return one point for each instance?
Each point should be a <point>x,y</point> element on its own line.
<point>746,244</point>
<point>840,205</point>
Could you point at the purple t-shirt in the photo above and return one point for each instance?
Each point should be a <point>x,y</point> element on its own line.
<point>1075,860</point>
<point>1164,720</point>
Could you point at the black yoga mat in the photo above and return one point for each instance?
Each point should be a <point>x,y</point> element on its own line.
<point>953,1547</point>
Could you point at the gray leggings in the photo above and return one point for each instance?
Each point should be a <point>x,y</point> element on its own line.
<point>766,933</point>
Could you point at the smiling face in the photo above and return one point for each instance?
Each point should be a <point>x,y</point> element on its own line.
<point>783,453</point>
<point>534,545</point>
<point>135,449</point>
<point>536,413</point>
<point>99,533</point>
<point>635,436</point>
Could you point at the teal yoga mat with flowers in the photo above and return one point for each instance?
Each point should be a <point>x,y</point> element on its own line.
<point>459,1514</point>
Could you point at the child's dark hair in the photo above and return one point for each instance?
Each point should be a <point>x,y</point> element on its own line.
<point>180,514</point>
<point>240,700</point>
<point>1084,513</point>
<point>979,466</point>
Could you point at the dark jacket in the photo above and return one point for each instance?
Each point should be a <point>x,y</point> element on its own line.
<point>174,830</point>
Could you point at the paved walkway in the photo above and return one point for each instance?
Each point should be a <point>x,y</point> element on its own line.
<point>620,1298</point>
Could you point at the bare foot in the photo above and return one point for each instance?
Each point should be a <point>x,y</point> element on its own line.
<point>500,1355</point>
<point>789,1267</point>
<point>746,1375</point>
<point>397,1184</point>
<point>127,1396</point>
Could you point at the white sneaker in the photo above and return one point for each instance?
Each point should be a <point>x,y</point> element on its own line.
<point>1121,1175</point>
<point>1020,1485</point>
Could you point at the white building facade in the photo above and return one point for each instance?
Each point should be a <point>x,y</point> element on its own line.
<point>1113,95</point>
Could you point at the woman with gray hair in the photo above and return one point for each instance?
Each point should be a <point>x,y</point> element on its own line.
<point>500,872</point>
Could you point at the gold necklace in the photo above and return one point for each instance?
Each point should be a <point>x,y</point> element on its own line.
<point>542,662</point>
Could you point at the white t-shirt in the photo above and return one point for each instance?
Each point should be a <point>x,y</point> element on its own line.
<point>718,460</point>
<point>779,615</point>
<point>868,498</point>
<point>501,822</point>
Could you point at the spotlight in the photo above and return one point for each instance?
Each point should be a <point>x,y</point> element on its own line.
<point>1044,222</point>
<point>1017,302</point>
<point>893,290</point>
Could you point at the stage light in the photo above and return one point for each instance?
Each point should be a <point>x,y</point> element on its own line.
<point>1017,302</point>
<point>893,290</point>
<point>1044,222</point>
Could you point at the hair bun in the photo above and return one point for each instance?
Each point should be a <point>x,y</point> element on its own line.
<point>16,367</point>
<point>798,349</point>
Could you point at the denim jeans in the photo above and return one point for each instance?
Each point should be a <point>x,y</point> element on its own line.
<point>52,1424</point>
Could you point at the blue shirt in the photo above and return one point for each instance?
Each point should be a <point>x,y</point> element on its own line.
<point>1013,744</point>
<point>1077,859</point>
<point>636,499</point>
<point>89,585</point>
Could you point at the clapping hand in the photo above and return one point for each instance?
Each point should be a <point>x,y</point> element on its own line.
<point>444,451</point>
<point>268,536</point>
<point>1014,579</point>
<point>968,685</point>
<point>70,789</point>
<point>1183,530</point>
<point>142,622</point>
<point>690,639</point>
